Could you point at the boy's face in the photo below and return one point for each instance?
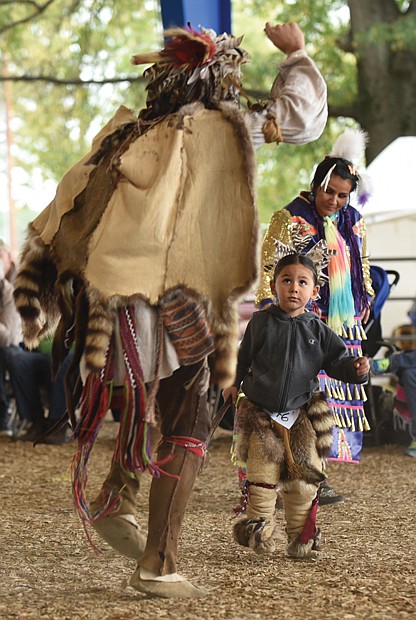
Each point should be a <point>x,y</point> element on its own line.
<point>294,287</point>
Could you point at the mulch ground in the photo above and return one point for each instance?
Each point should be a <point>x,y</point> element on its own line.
<point>367,568</point>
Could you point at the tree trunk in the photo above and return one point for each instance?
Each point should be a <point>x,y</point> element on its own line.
<point>385,105</point>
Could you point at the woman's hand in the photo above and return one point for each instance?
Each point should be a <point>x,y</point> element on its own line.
<point>365,315</point>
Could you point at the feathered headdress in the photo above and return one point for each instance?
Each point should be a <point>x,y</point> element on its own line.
<point>319,254</point>
<point>184,47</point>
<point>350,146</point>
<point>190,58</point>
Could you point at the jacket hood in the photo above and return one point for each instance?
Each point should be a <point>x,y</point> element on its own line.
<point>305,317</point>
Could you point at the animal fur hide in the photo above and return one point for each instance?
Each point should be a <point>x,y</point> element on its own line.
<point>312,430</point>
<point>147,211</point>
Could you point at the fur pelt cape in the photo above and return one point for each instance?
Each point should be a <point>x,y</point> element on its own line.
<point>152,208</point>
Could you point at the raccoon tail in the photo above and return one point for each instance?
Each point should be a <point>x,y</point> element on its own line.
<point>34,290</point>
<point>99,330</point>
<point>320,416</point>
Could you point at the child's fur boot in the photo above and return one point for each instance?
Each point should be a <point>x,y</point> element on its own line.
<point>307,551</point>
<point>257,533</point>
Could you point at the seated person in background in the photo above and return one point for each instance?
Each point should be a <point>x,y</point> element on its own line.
<point>403,364</point>
<point>10,330</point>
<point>31,376</point>
<point>6,258</point>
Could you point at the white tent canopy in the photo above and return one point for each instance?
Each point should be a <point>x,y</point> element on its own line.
<point>392,174</point>
<point>390,216</point>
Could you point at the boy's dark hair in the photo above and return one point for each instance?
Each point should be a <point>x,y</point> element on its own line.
<point>296,259</point>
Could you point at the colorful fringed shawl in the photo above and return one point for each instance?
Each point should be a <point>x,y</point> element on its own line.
<point>341,302</point>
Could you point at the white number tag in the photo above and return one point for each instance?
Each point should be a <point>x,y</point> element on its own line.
<point>286,419</point>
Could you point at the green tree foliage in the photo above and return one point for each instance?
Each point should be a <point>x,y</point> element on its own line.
<point>72,42</point>
<point>366,50</point>
<point>68,63</point>
<point>284,170</point>
<point>66,60</point>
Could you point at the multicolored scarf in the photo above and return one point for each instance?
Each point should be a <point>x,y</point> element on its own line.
<point>341,302</point>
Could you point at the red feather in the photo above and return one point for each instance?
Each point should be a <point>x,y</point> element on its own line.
<point>188,47</point>
<point>184,46</point>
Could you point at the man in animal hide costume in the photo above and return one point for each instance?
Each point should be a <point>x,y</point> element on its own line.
<point>139,262</point>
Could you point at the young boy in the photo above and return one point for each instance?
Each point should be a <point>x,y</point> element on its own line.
<point>284,426</point>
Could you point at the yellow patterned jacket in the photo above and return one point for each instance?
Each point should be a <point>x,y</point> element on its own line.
<point>300,211</point>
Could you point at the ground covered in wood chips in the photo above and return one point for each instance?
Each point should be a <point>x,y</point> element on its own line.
<point>367,568</point>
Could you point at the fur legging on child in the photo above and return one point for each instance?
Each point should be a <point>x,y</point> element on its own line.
<point>290,459</point>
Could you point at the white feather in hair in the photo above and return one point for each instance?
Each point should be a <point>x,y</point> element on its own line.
<point>350,145</point>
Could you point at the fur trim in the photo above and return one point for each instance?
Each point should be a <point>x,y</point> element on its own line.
<point>67,251</point>
<point>303,435</point>
<point>320,415</point>
<point>250,419</point>
<point>225,332</point>
<point>34,290</point>
<point>309,551</point>
<point>234,115</point>
<point>224,327</point>
<point>99,330</point>
<point>250,533</point>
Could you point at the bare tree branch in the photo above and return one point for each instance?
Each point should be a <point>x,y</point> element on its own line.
<point>39,9</point>
<point>31,2</point>
<point>349,111</point>
<point>70,81</point>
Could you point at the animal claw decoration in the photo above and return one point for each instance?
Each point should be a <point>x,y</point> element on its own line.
<point>319,254</point>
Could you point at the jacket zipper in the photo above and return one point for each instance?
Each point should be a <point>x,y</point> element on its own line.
<point>288,365</point>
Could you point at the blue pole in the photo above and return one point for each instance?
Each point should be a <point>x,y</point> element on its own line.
<point>215,14</point>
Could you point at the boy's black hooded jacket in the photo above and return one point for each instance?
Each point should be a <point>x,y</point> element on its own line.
<point>280,357</point>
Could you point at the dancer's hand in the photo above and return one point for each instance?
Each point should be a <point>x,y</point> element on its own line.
<point>230,391</point>
<point>362,366</point>
<point>365,315</point>
<point>286,37</point>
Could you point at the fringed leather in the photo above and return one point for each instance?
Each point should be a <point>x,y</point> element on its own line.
<point>95,401</point>
<point>133,449</point>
